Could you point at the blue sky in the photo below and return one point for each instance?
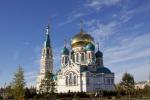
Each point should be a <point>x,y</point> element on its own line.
<point>122,27</point>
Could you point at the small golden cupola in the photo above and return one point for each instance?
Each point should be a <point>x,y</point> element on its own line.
<point>81,38</point>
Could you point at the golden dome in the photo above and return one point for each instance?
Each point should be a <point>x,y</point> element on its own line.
<point>81,39</point>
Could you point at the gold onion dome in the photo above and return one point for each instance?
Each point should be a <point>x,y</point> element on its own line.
<point>81,39</point>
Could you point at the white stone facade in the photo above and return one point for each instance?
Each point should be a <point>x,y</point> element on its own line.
<point>82,70</point>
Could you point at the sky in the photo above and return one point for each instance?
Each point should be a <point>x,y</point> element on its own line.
<point>122,28</point>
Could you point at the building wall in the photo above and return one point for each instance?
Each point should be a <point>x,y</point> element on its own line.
<point>87,82</point>
<point>97,82</point>
<point>62,87</point>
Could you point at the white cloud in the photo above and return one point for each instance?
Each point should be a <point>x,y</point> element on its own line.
<point>98,4</point>
<point>77,13</point>
<point>87,8</point>
<point>130,54</point>
<point>129,48</point>
<point>126,15</point>
<point>102,32</point>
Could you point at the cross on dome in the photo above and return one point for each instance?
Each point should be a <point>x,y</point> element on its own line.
<point>81,27</point>
<point>65,42</point>
<point>98,45</point>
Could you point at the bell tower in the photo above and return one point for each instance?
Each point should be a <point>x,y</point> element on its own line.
<point>46,62</point>
<point>47,56</point>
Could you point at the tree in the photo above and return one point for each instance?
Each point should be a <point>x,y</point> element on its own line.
<point>30,92</point>
<point>128,83</point>
<point>127,80</point>
<point>18,84</point>
<point>47,85</point>
<point>120,91</point>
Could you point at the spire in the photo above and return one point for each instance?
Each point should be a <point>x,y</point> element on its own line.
<point>81,27</point>
<point>47,42</point>
<point>48,29</point>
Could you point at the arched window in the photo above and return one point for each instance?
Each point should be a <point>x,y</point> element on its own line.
<point>66,60</point>
<point>82,57</point>
<point>70,79</point>
<point>47,51</point>
<point>77,57</point>
<point>73,58</point>
<point>66,80</point>
<point>75,79</point>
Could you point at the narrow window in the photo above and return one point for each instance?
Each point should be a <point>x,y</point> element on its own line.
<point>70,79</point>
<point>77,57</point>
<point>47,52</point>
<point>75,80</point>
<point>82,57</point>
<point>66,60</point>
<point>66,80</point>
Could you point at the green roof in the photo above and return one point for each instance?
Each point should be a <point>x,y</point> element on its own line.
<point>90,47</point>
<point>47,43</point>
<point>65,51</point>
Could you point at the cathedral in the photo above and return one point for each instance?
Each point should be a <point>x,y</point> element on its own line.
<point>82,67</point>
